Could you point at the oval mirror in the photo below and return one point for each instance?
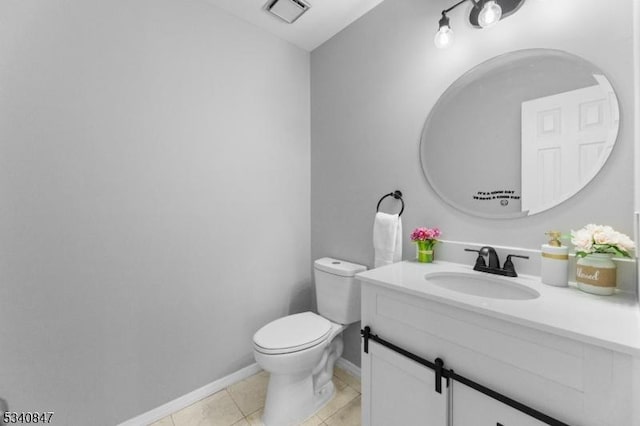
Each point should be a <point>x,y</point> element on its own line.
<point>519,133</point>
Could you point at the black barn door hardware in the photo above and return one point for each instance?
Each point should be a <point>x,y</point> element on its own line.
<point>366,333</point>
<point>438,367</point>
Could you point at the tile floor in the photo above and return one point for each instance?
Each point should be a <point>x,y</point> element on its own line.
<point>241,404</point>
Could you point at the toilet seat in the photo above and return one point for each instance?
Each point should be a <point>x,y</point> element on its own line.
<point>292,333</point>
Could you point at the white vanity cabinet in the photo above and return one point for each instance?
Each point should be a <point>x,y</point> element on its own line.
<point>574,382</point>
<point>405,395</point>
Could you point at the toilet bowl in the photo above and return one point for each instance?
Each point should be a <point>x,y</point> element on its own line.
<point>300,350</point>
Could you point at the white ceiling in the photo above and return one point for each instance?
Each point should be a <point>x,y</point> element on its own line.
<point>322,21</point>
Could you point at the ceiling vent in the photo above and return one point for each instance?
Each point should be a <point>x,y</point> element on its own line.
<point>287,10</point>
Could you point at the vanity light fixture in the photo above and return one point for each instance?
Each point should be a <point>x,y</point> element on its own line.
<point>484,14</point>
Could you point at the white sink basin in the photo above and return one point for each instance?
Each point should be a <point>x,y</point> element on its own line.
<point>477,284</point>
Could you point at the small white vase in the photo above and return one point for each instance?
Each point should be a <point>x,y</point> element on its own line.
<point>596,274</point>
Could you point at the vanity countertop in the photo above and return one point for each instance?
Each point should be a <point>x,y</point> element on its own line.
<point>608,321</point>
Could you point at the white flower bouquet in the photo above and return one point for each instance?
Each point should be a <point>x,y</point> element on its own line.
<point>601,239</point>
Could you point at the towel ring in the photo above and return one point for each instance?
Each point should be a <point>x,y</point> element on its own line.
<point>395,194</point>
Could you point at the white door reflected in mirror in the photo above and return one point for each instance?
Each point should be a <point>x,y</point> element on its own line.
<point>566,138</point>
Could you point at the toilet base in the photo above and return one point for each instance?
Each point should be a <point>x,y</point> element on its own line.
<point>288,399</point>
<point>300,383</point>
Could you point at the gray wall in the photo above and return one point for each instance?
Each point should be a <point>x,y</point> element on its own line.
<point>154,178</point>
<point>373,85</point>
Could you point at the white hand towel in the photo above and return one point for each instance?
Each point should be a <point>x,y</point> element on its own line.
<point>387,239</point>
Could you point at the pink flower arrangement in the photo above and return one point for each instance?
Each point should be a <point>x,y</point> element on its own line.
<point>425,234</point>
<point>425,239</point>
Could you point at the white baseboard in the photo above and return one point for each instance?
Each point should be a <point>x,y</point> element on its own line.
<point>213,387</point>
<point>349,367</point>
<point>192,397</point>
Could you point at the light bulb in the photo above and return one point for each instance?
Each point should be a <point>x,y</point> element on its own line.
<point>444,37</point>
<point>490,14</point>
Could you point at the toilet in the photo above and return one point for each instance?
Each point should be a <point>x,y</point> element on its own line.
<point>299,350</point>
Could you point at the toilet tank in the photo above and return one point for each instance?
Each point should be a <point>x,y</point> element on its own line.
<point>337,289</point>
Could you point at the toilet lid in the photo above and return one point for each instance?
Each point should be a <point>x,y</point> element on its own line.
<point>292,333</point>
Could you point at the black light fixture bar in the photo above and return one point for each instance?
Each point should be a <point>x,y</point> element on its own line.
<point>444,36</point>
<point>484,14</point>
<point>508,7</point>
<point>456,5</point>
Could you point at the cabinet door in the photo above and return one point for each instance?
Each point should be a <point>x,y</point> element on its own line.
<point>399,391</point>
<point>473,408</point>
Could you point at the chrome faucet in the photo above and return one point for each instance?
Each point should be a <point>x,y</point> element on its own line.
<point>489,253</point>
